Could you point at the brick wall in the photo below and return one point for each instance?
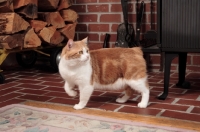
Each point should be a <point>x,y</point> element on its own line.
<point>98,17</point>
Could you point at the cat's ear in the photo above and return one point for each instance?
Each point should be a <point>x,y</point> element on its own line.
<point>85,40</point>
<point>70,43</point>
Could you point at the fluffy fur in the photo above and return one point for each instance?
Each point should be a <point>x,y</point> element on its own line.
<point>105,69</point>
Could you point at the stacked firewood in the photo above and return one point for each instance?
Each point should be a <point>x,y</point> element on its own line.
<point>32,23</point>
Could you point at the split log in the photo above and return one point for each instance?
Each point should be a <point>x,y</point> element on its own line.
<point>6,6</point>
<point>48,5</point>
<point>29,11</point>
<point>46,33</point>
<point>37,25</point>
<point>69,15</point>
<point>69,30</point>
<point>57,38</point>
<point>31,39</point>
<point>12,41</point>
<point>52,18</point>
<point>20,3</point>
<point>64,4</point>
<point>12,23</point>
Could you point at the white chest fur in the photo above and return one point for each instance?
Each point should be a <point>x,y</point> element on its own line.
<point>76,73</point>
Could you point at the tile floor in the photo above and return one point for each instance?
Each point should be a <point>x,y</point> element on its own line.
<point>41,84</point>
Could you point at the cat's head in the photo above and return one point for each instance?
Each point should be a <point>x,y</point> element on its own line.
<point>76,51</point>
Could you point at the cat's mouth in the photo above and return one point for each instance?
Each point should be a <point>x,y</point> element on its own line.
<point>85,60</point>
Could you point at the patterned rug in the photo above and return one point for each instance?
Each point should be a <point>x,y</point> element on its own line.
<point>24,118</point>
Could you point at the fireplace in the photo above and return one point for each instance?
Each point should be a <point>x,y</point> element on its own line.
<point>178,33</point>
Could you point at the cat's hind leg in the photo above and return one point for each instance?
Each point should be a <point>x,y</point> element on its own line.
<point>128,92</point>
<point>141,85</point>
<point>69,89</point>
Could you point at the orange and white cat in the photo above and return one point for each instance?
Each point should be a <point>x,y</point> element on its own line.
<point>105,69</point>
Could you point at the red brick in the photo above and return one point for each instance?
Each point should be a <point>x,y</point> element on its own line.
<point>48,83</point>
<point>147,18</point>
<point>145,28</point>
<point>188,102</point>
<point>91,104</point>
<point>154,80</point>
<point>52,88</point>
<point>114,27</point>
<point>110,107</point>
<point>192,68</point>
<point>113,37</point>
<point>9,90</point>
<point>98,8</point>
<point>153,99</point>
<point>100,99</point>
<point>57,94</point>
<point>100,1</point>
<point>174,68</point>
<point>168,106</point>
<point>85,1</point>
<point>137,110</point>
<point>111,94</point>
<point>116,8</point>
<point>9,96</point>
<point>110,18</point>
<point>91,36</point>
<point>195,75</point>
<point>11,101</point>
<point>156,84</point>
<point>97,93</point>
<point>28,81</point>
<point>181,115</point>
<point>172,90</point>
<point>175,61</point>
<point>98,27</point>
<point>155,59</point>
<point>64,101</point>
<point>35,98</point>
<point>94,46</point>
<point>31,86</point>
<point>132,18</point>
<point>87,18</point>
<point>53,79</point>
<point>79,8</point>
<point>153,67</point>
<point>30,91</point>
<point>187,96</point>
<point>7,85</point>
<point>196,110</point>
<point>81,27</point>
<point>196,60</point>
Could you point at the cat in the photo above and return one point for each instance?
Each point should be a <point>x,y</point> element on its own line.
<point>105,69</point>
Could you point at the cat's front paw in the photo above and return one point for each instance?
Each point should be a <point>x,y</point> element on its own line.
<point>120,100</point>
<point>72,93</point>
<point>142,105</point>
<point>78,107</point>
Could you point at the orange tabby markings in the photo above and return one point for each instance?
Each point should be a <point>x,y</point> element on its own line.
<point>111,69</point>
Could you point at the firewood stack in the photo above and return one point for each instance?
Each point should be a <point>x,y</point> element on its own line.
<point>32,23</point>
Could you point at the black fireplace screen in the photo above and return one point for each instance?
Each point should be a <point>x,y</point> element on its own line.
<point>180,20</point>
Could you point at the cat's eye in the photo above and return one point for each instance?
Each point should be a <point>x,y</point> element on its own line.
<point>80,52</point>
<point>87,51</point>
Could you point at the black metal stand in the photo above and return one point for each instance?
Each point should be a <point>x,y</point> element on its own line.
<point>182,68</point>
